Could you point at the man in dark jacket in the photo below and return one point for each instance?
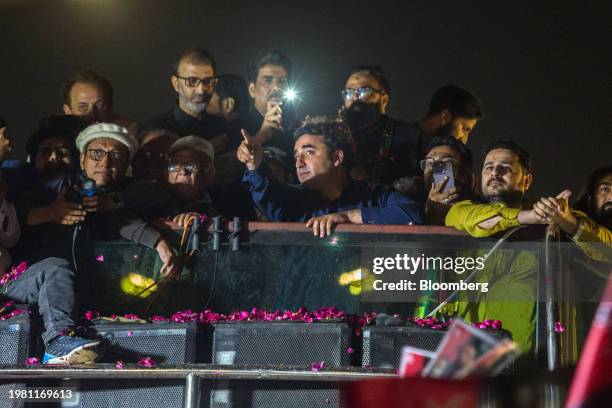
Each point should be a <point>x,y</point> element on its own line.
<point>105,153</point>
<point>193,79</point>
<point>387,149</point>
<point>327,195</point>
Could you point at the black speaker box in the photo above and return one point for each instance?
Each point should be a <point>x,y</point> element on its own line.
<point>279,343</point>
<point>287,343</point>
<point>273,394</point>
<point>166,343</point>
<point>382,345</point>
<point>15,339</point>
<point>141,393</point>
<point>17,343</point>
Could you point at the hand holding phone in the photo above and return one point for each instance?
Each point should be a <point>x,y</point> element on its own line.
<point>441,170</point>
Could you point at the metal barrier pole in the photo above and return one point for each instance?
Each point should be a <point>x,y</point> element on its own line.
<point>552,343</point>
<point>192,391</point>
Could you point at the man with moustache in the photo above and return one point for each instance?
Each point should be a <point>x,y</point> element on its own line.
<point>272,118</point>
<point>387,149</point>
<point>114,211</point>
<point>506,176</point>
<point>193,79</point>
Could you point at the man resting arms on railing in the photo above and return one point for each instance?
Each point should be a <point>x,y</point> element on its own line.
<point>327,195</point>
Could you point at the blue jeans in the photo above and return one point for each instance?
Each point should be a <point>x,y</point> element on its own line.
<point>50,284</point>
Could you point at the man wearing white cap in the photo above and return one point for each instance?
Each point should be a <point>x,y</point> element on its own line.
<point>106,150</point>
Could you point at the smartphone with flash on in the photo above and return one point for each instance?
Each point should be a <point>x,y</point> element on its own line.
<point>443,169</point>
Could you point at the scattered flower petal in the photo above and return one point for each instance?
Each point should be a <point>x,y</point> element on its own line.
<point>100,258</point>
<point>147,362</point>
<point>32,361</point>
<point>120,365</point>
<point>350,350</point>
<point>559,327</point>
<point>317,366</point>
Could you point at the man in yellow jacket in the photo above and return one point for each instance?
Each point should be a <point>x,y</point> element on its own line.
<point>512,275</point>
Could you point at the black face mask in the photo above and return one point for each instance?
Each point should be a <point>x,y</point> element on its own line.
<point>361,115</point>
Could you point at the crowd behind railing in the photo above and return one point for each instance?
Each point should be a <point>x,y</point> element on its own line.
<point>235,148</point>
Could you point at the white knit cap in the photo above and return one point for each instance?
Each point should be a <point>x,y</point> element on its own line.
<point>107,130</point>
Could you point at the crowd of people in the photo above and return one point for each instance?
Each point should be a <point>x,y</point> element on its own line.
<point>235,148</point>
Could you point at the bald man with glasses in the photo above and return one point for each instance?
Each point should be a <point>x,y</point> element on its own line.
<point>193,79</point>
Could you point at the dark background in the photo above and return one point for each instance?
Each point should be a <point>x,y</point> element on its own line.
<point>542,70</point>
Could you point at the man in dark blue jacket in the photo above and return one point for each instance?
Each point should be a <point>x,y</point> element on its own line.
<point>327,195</point>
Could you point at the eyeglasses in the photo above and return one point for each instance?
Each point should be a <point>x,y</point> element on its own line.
<point>363,93</point>
<point>193,82</point>
<point>114,155</point>
<point>429,163</point>
<point>189,167</point>
<point>60,152</point>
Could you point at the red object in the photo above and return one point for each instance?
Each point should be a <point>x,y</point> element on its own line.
<point>410,392</point>
<point>593,372</point>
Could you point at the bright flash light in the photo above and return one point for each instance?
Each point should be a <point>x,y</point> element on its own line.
<point>290,95</point>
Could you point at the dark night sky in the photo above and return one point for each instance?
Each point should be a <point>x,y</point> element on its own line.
<point>541,70</point>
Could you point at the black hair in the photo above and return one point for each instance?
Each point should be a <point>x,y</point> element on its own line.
<point>88,76</point>
<point>458,101</point>
<point>336,136</point>
<point>465,153</point>
<point>196,56</point>
<point>267,57</point>
<point>66,127</point>
<point>374,71</point>
<point>522,154</point>
<point>3,123</point>
<point>584,202</point>
<point>233,86</point>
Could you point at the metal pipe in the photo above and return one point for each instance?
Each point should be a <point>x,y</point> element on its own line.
<point>204,371</point>
<point>552,344</point>
<point>192,391</point>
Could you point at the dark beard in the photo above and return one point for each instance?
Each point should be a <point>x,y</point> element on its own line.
<point>603,216</point>
<point>362,115</point>
<point>512,199</point>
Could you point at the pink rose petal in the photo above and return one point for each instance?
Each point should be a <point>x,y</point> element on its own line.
<point>317,366</point>
<point>559,327</point>
<point>120,365</point>
<point>32,361</point>
<point>100,258</point>
<point>147,362</point>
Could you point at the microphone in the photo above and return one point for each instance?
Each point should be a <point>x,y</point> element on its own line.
<point>88,188</point>
<point>195,230</point>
